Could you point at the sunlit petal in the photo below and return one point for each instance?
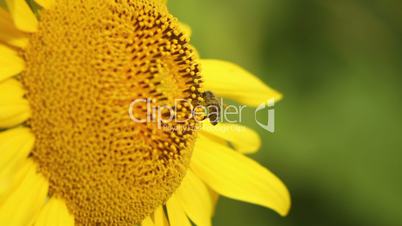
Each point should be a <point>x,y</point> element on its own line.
<point>195,199</point>
<point>9,33</point>
<point>54,213</point>
<point>24,18</point>
<point>176,214</point>
<point>241,138</point>
<point>10,63</point>
<point>160,217</point>
<point>45,3</point>
<point>147,222</point>
<point>233,175</point>
<point>14,109</point>
<point>20,207</point>
<point>231,81</point>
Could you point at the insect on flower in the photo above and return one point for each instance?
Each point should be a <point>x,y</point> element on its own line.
<point>213,107</point>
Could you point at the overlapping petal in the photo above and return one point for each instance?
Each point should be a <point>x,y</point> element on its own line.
<point>231,81</point>
<point>10,63</point>
<point>14,109</point>
<point>9,33</point>
<point>176,214</point>
<point>25,201</point>
<point>15,145</point>
<point>195,199</point>
<point>54,213</point>
<point>23,17</point>
<point>241,138</point>
<point>147,222</point>
<point>160,217</point>
<point>45,3</point>
<point>233,175</point>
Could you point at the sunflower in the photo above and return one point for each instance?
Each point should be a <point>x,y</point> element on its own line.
<point>70,153</point>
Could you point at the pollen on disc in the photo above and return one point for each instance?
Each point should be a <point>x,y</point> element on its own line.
<point>88,62</point>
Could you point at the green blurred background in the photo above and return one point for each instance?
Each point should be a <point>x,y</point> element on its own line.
<point>338,144</point>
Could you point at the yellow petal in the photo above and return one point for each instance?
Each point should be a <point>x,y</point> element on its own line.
<point>11,177</point>
<point>147,222</point>
<point>241,138</point>
<point>24,18</point>
<point>231,81</point>
<point>8,33</point>
<point>47,4</point>
<point>195,200</point>
<point>15,146</point>
<point>233,175</point>
<point>14,109</point>
<point>20,207</point>
<point>10,91</point>
<point>160,217</point>
<point>214,196</point>
<point>10,63</point>
<point>54,213</point>
<point>177,216</point>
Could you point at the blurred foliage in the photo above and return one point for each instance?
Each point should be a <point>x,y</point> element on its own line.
<point>338,143</point>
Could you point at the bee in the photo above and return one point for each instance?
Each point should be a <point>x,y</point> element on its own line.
<point>213,107</point>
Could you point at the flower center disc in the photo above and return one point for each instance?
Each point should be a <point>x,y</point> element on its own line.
<point>89,61</point>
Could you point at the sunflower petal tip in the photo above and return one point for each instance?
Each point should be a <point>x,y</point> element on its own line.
<point>279,96</point>
<point>287,204</point>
